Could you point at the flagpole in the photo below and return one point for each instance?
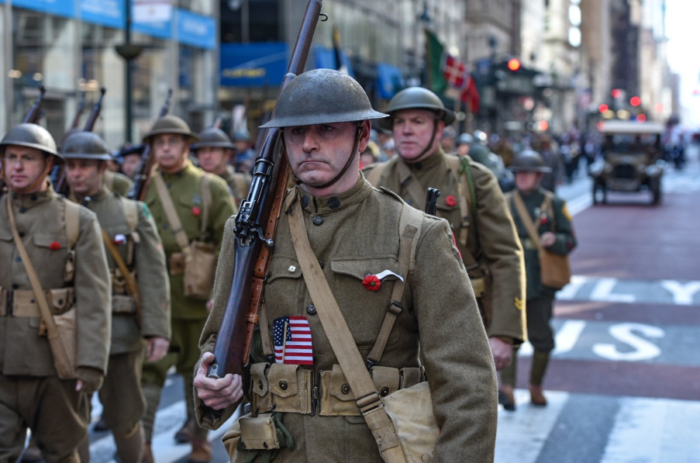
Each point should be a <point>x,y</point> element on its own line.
<point>284,342</point>
<point>457,109</point>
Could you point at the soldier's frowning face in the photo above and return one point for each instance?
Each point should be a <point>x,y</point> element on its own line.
<point>85,175</point>
<point>318,153</point>
<point>170,151</point>
<point>23,166</point>
<point>413,131</point>
<point>213,159</point>
<point>528,182</point>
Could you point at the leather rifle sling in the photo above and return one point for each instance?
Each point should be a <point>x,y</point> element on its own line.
<point>63,370</point>
<point>341,340</point>
<point>527,220</point>
<point>131,286</point>
<point>171,213</point>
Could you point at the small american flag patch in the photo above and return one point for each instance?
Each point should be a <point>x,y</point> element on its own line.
<point>292,337</point>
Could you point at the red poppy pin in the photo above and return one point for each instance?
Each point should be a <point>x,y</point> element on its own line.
<point>451,201</point>
<point>196,210</point>
<point>119,239</point>
<point>543,219</point>
<point>55,246</point>
<point>374,282</point>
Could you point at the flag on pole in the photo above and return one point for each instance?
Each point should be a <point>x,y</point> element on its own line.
<point>337,52</point>
<point>470,94</point>
<point>434,62</point>
<point>292,338</point>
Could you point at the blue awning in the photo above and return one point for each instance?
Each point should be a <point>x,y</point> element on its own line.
<point>253,64</point>
<point>389,80</point>
<point>325,59</point>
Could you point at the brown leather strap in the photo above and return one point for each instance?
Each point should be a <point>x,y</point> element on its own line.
<point>415,190</point>
<point>268,350</point>
<point>131,286</point>
<point>206,205</point>
<point>63,369</point>
<point>409,225</point>
<point>527,220</point>
<point>341,340</point>
<point>171,213</point>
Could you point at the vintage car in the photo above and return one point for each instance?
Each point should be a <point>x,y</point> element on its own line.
<point>632,160</point>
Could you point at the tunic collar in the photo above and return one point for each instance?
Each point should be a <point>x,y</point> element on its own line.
<point>30,200</point>
<point>334,203</point>
<point>101,195</point>
<point>189,169</point>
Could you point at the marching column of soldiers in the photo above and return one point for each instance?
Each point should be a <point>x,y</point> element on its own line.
<point>100,294</point>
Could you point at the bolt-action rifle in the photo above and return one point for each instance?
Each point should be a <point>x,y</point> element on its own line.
<point>431,201</point>
<point>59,179</point>
<point>34,113</point>
<point>143,173</point>
<point>255,228</point>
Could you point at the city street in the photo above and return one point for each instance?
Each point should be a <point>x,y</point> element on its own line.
<point>624,384</point>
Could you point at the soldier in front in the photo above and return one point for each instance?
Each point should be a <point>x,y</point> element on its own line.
<point>190,208</point>
<point>140,290</point>
<point>54,304</point>
<point>471,201</point>
<point>435,333</point>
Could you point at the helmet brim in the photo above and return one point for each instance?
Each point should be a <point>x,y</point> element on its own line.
<point>321,118</point>
<point>213,144</point>
<point>192,137</point>
<point>446,115</point>
<point>543,170</point>
<point>59,157</point>
<point>89,156</point>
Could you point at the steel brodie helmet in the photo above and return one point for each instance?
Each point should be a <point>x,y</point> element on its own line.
<point>322,96</point>
<point>85,145</point>
<point>419,98</point>
<point>31,136</point>
<point>213,138</point>
<point>529,161</point>
<point>170,124</point>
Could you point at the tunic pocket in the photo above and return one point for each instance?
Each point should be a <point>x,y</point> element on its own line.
<point>290,388</point>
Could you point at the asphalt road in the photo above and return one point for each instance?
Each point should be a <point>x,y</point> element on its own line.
<point>624,382</point>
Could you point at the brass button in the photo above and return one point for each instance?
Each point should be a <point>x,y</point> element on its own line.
<point>283,385</point>
<point>384,392</point>
<point>311,309</point>
<point>345,389</point>
<point>318,220</point>
<point>334,203</point>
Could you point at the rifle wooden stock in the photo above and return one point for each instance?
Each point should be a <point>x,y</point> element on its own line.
<point>78,112</point>
<point>96,110</point>
<point>34,113</point>
<point>143,172</point>
<point>256,226</point>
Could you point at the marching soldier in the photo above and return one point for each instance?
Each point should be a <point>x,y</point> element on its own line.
<point>140,292</point>
<point>54,304</point>
<point>548,215</point>
<point>117,182</point>
<point>190,208</point>
<point>214,150</point>
<point>472,203</point>
<point>353,230</point>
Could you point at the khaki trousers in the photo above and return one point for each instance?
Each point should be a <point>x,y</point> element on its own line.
<point>56,413</point>
<point>121,395</point>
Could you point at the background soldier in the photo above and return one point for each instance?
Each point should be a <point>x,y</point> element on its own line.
<point>140,298</point>
<point>214,150</point>
<point>473,204</point>
<point>202,204</point>
<point>66,256</point>
<point>117,182</point>
<point>131,158</point>
<point>555,229</point>
<point>354,231</point>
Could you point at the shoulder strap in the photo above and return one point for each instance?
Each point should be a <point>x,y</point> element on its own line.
<point>131,212</point>
<point>62,368</point>
<point>109,181</point>
<point>526,220</point>
<point>206,205</point>
<point>131,286</point>
<point>341,340</point>
<point>548,205</point>
<point>465,187</point>
<point>410,225</point>
<point>171,213</point>
<point>375,173</point>
<point>72,219</point>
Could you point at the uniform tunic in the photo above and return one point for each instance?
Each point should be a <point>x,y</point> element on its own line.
<point>238,183</point>
<point>117,182</point>
<point>493,236</point>
<point>353,234</point>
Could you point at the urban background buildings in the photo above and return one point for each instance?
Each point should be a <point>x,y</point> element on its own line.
<point>542,65</point>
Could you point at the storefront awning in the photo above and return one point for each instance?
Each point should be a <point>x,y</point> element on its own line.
<point>324,58</point>
<point>253,64</point>
<point>389,80</point>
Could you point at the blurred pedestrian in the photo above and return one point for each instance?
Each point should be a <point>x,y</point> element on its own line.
<point>130,159</point>
<point>448,140</point>
<point>464,143</point>
<point>545,229</point>
<point>245,155</point>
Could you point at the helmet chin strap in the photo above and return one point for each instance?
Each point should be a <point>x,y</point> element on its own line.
<point>427,148</point>
<point>31,186</point>
<point>358,134</point>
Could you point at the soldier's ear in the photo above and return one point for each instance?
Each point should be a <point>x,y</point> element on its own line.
<point>364,135</point>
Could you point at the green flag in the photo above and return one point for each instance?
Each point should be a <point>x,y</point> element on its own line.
<point>434,50</point>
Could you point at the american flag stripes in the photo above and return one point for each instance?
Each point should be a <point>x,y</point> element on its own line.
<point>292,337</point>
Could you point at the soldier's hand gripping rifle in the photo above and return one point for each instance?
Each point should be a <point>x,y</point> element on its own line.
<point>256,225</point>
<point>34,113</point>
<point>60,183</point>
<point>143,172</point>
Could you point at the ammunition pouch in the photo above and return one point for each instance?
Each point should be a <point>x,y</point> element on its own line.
<point>259,432</point>
<point>291,389</point>
<point>22,303</point>
<point>123,304</point>
<point>199,268</point>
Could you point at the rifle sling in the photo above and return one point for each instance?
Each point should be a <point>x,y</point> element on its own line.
<point>170,212</point>
<point>527,220</point>
<point>339,335</point>
<point>131,286</point>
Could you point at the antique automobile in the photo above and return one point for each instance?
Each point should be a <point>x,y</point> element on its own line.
<point>632,160</point>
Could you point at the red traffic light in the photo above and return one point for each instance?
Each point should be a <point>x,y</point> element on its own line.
<point>616,93</point>
<point>635,101</point>
<point>603,108</point>
<point>641,118</point>
<point>514,64</point>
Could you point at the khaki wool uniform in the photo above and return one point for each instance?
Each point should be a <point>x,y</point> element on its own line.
<point>31,394</point>
<point>142,252</point>
<point>238,183</point>
<point>117,182</point>
<point>353,234</point>
<point>491,236</point>
<point>188,315</point>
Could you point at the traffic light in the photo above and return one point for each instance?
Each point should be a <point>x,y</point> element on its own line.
<point>616,93</point>
<point>635,101</point>
<point>514,64</point>
<point>603,108</point>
